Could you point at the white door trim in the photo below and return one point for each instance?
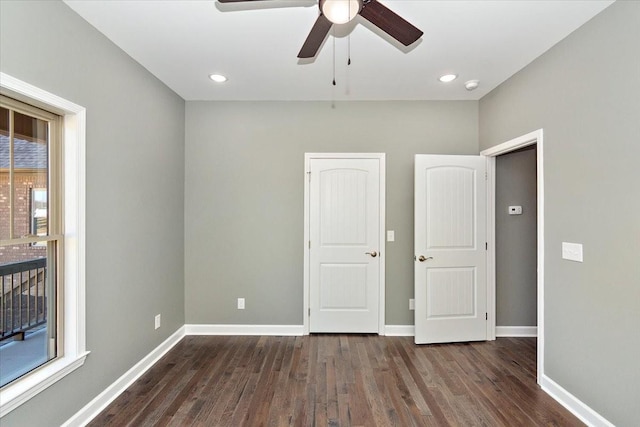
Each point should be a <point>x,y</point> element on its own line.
<point>535,137</point>
<point>383,253</point>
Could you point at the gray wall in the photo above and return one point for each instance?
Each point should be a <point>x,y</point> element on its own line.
<point>585,94</point>
<point>516,240</point>
<point>135,194</point>
<point>245,188</point>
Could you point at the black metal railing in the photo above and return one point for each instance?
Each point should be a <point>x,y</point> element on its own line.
<point>23,300</point>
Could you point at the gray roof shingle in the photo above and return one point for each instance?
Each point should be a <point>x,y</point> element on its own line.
<point>27,154</point>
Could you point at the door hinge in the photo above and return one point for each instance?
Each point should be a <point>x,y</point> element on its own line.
<point>486,316</point>
<point>309,311</point>
<point>309,244</point>
<point>486,246</point>
<point>309,175</point>
<point>486,176</point>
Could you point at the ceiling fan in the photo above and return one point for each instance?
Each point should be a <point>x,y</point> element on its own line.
<point>343,11</point>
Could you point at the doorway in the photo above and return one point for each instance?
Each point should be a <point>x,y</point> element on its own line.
<point>516,259</point>
<point>532,138</point>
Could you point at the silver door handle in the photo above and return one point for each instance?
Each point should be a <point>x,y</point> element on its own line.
<point>422,258</point>
<point>373,254</point>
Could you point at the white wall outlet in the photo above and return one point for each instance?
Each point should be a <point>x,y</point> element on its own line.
<point>412,304</point>
<point>515,210</point>
<point>157,321</point>
<point>240,303</point>
<point>572,251</point>
<point>391,236</point>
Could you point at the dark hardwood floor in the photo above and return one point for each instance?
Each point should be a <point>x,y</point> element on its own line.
<point>339,380</point>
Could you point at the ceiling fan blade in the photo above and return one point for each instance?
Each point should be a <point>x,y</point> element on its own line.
<point>315,38</point>
<point>238,5</point>
<point>389,22</point>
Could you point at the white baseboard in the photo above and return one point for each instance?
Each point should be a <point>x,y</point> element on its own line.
<point>501,331</point>
<point>101,401</point>
<point>573,404</point>
<point>284,330</point>
<point>399,330</point>
<point>516,331</point>
<point>281,330</point>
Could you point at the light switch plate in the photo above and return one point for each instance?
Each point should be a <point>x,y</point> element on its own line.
<point>412,304</point>
<point>240,303</point>
<point>391,235</point>
<point>572,251</point>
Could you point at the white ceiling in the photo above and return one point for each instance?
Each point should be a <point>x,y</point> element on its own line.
<point>256,46</point>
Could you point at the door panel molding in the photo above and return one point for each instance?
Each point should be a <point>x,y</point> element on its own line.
<point>307,232</point>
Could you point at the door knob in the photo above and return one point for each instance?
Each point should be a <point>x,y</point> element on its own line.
<point>373,254</point>
<point>422,258</point>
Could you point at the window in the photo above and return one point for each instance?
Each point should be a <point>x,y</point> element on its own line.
<point>42,193</point>
<point>30,236</point>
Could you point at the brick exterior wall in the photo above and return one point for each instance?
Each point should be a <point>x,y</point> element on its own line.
<point>24,183</point>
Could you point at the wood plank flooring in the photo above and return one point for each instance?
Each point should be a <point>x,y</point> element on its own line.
<point>339,380</point>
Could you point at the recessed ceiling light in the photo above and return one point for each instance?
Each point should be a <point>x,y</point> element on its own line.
<point>471,84</point>
<point>218,78</point>
<point>448,78</point>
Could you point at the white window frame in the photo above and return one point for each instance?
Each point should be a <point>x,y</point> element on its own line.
<point>73,312</point>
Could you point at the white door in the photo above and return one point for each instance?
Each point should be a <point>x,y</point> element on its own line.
<point>450,249</point>
<point>344,254</point>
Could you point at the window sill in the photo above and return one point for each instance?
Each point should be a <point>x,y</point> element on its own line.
<point>14,395</point>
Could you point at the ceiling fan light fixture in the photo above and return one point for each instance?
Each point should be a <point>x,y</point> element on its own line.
<point>448,78</point>
<point>340,11</point>
<point>218,78</point>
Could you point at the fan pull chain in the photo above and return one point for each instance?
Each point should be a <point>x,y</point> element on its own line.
<point>334,58</point>
<point>349,42</point>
